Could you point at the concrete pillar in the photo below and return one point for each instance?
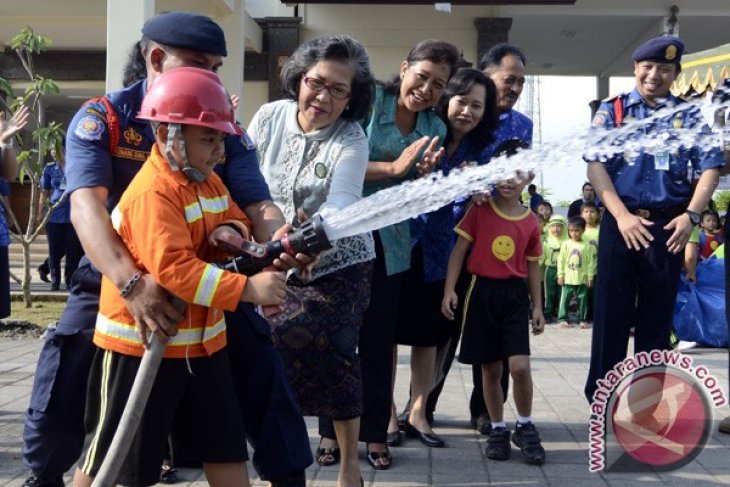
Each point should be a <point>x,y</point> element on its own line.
<point>602,87</point>
<point>601,93</point>
<point>491,31</point>
<point>232,71</point>
<point>124,20</point>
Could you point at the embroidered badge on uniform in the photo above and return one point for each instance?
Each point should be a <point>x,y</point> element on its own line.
<point>320,170</point>
<point>599,119</point>
<point>132,137</point>
<point>89,128</point>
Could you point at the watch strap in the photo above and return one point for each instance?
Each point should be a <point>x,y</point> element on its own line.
<point>694,217</point>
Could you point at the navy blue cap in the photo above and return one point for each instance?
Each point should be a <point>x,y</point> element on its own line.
<point>188,31</point>
<point>663,49</point>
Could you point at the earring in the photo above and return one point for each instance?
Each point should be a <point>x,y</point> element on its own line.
<point>347,107</point>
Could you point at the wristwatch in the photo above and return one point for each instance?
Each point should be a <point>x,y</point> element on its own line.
<point>694,217</point>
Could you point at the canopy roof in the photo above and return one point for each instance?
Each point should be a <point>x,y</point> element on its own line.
<point>702,71</point>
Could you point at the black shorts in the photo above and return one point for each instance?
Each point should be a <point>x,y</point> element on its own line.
<point>496,321</point>
<point>198,411</point>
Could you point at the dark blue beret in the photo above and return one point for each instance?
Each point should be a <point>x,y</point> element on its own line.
<point>663,49</point>
<point>188,31</point>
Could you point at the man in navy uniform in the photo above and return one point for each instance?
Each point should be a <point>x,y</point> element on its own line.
<point>106,146</point>
<point>652,209</point>
<point>722,95</point>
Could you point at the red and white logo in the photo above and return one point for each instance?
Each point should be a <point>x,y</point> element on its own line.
<point>660,417</point>
<point>652,410</point>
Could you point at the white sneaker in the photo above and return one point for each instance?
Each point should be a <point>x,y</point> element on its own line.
<point>683,345</point>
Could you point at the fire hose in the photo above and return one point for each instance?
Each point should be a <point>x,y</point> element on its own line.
<point>309,238</point>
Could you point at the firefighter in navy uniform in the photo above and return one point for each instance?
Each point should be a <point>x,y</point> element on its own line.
<point>652,209</point>
<point>106,146</point>
<point>722,95</point>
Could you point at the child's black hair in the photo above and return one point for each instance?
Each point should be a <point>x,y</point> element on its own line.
<point>577,221</point>
<point>709,212</point>
<point>591,204</point>
<point>510,147</point>
<point>588,204</point>
<point>545,203</point>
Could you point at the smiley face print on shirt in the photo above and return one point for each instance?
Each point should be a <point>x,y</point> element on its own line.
<point>503,247</point>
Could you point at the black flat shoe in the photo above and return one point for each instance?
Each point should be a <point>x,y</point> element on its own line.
<point>297,479</point>
<point>429,439</point>
<point>43,274</point>
<point>394,439</point>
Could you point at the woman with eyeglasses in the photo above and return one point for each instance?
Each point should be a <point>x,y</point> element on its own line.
<point>314,155</point>
<point>404,135</point>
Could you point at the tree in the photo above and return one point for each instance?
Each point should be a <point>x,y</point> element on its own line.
<point>722,198</point>
<point>44,137</point>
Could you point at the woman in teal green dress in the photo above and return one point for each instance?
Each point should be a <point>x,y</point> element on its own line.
<point>404,136</point>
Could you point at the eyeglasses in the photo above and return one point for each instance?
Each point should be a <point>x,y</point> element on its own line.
<point>336,92</point>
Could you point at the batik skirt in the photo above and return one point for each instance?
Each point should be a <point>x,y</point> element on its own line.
<point>318,341</point>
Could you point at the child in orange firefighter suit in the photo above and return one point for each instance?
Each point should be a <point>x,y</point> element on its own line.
<point>169,219</point>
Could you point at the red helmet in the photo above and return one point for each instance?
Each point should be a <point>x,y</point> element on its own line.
<point>190,96</point>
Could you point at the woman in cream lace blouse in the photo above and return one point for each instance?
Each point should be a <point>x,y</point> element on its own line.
<point>314,154</point>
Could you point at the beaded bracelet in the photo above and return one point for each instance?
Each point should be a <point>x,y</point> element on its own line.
<point>130,285</point>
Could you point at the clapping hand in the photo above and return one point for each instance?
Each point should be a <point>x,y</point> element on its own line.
<point>430,158</point>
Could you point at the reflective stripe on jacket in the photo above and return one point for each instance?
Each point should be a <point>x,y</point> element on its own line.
<point>164,221</point>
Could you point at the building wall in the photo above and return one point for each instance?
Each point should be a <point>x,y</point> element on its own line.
<point>255,94</point>
<point>381,30</point>
<point>388,32</point>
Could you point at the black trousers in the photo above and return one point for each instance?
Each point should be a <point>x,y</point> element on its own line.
<point>727,290</point>
<point>375,347</point>
<point>63,241</point>
<point>4,282</point>
<point>53,436</point>
<point>636,287</point>
<point>274,425</point>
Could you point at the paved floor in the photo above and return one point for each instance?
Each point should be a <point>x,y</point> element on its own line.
<point>559,364</point>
